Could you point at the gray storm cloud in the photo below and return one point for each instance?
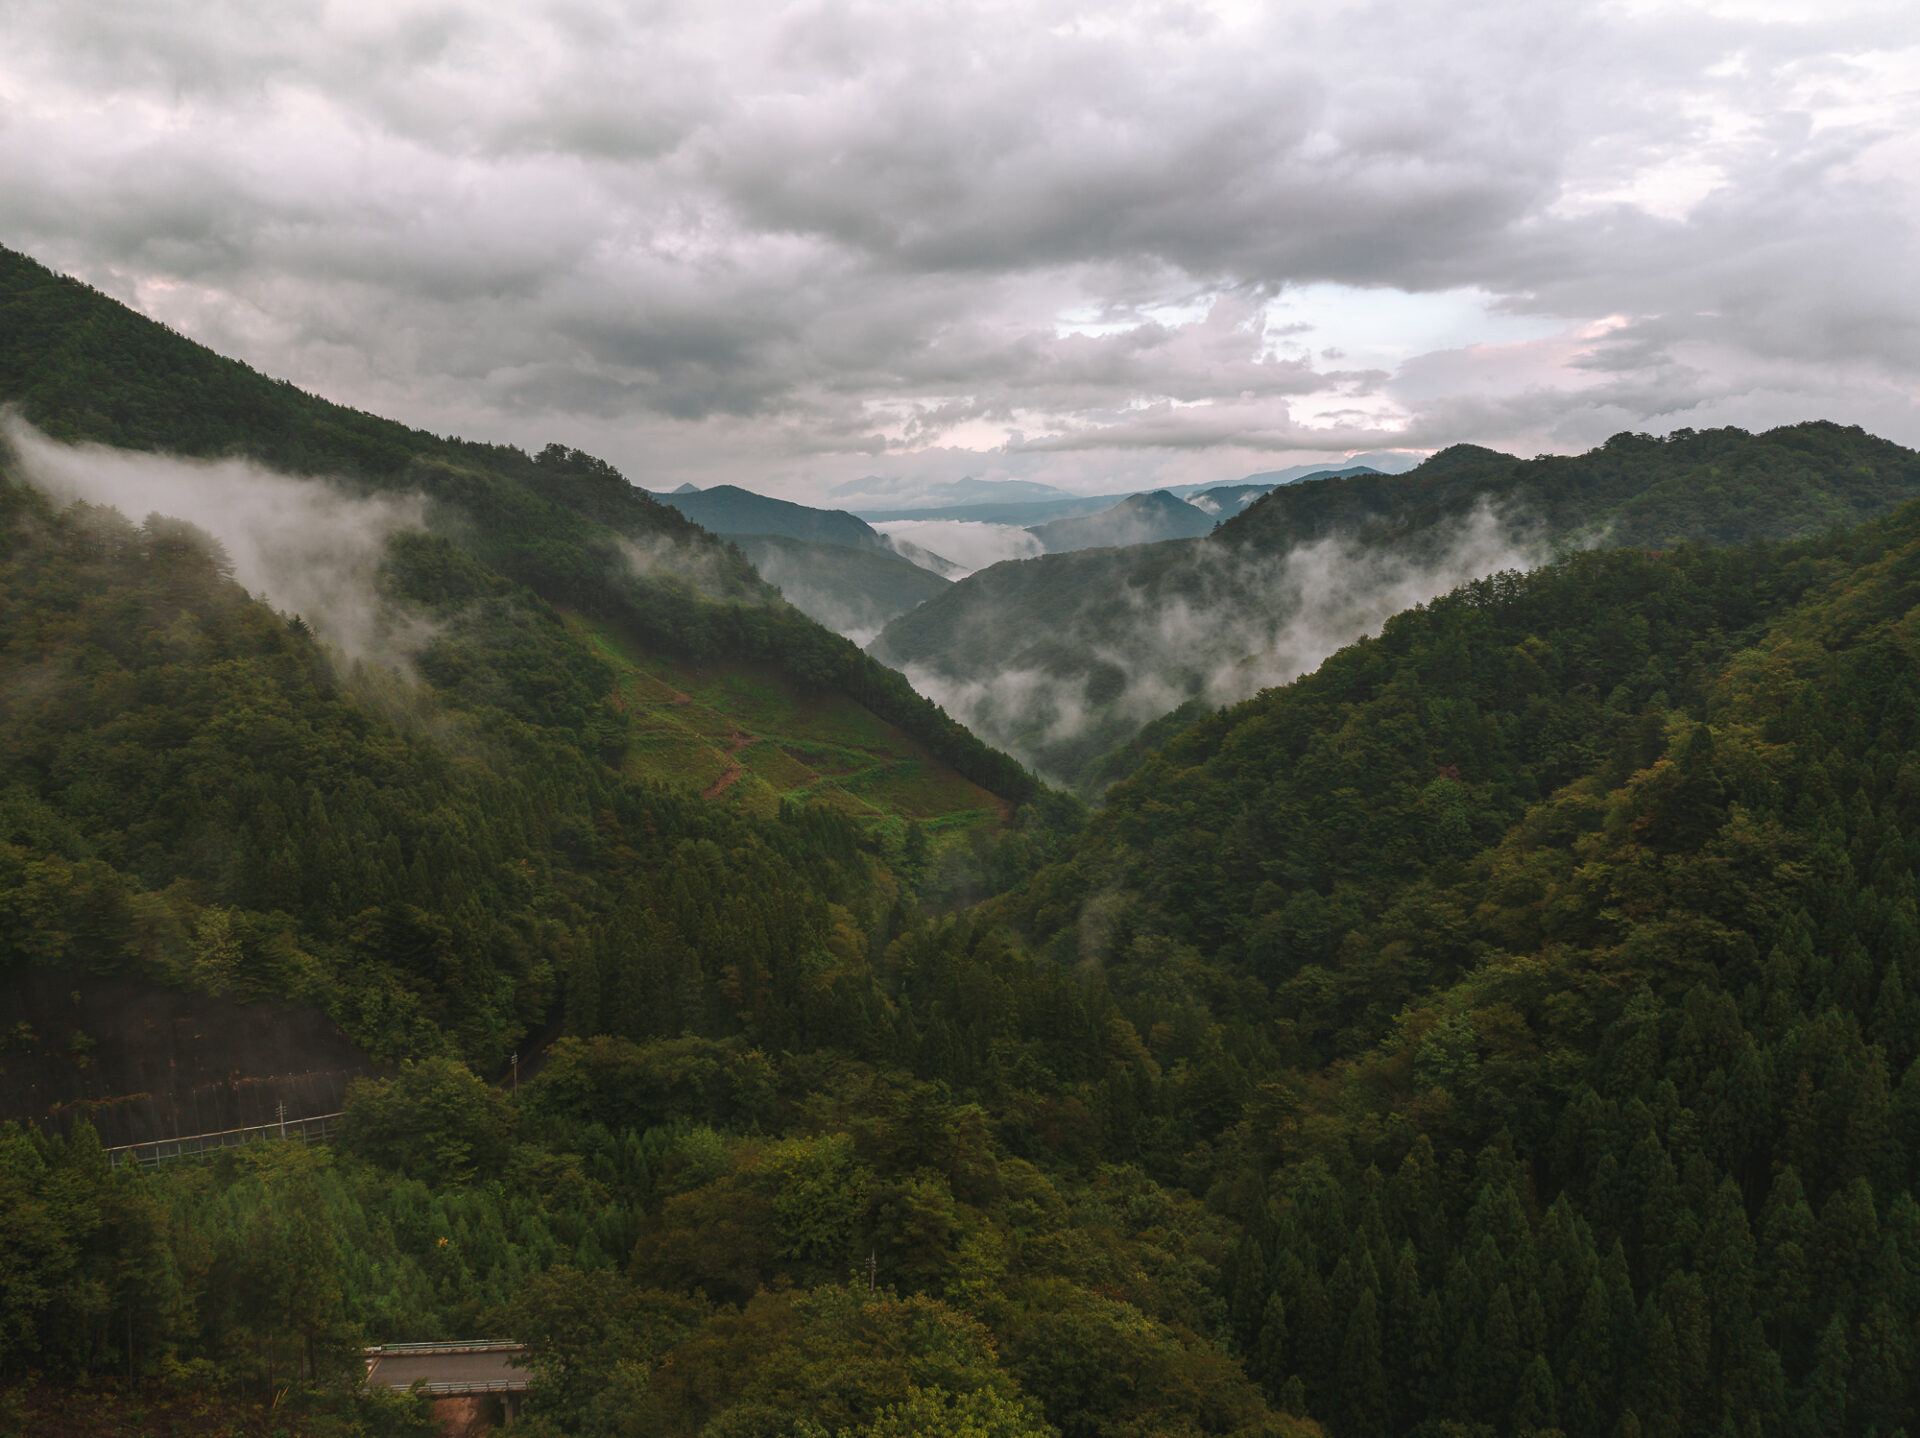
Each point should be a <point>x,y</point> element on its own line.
<point>791,244</point>
<point>301,545</point>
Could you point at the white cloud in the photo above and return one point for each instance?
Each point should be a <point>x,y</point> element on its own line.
<point>302,545</point>
<point>1105,245</point>
<point>970,544</point>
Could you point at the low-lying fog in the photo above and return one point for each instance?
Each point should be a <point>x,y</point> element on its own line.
<point>969,543</point>
<point>1060,691</point>
<point>304,546</point>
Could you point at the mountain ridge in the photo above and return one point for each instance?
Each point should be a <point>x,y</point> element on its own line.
<point>1063,662</point>
<point>83,367</point>
<point>1137,519</point>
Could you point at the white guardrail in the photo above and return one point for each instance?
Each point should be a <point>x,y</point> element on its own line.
<point>311,1129</point>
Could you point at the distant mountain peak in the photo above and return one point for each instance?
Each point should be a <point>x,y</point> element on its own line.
<point>1137,519</point>
<point>1158,499</point>
<point>1455,455</point>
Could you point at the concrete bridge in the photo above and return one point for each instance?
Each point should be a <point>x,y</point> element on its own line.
<point>464,1378</point>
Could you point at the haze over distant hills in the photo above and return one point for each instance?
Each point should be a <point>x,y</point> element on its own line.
<point>728,509</point>
<point>980,521</point>
<point>1062,657</point>
<point>853,591</point>
<point>827,563</point>
<point>1137,519</point>
<point>874,492</point>
<point>1575,901</point>
<point>899,495</point>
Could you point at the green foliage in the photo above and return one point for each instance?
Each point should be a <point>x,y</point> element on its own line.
<point>1717,486</point>
<point>434,1121</point>
<point>567,526</point>
<point>198,794</point>
<point>1508,1029</point>
<point>1082,627</point>
<point>935,1413</point>
<point>1578,912</point>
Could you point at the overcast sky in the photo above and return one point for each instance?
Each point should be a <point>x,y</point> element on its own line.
<point>1098,245</point>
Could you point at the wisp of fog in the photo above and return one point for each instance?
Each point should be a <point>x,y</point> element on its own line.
<point>1238,623</point>
<point>302,545</point>
<point>969,543</point>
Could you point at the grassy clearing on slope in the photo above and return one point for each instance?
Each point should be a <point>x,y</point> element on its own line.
<point>742,735</point>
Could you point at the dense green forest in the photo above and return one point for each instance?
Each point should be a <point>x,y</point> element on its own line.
<point>83,368</point>
<point>1512,1027</point>
<point>198,795</point>
<point>1570,926</point>
<point>1064,658</point>
<point>1717,486</point>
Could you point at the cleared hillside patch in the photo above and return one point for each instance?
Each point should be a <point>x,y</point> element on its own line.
<point>745,736</point>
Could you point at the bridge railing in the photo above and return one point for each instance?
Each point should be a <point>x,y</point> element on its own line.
<point>410,1365</point>
<point>314,1129</point>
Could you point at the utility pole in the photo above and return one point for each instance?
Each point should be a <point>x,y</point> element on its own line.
<point>516,1070</point>
<point>873,1272</point>
<point>283,1118</point>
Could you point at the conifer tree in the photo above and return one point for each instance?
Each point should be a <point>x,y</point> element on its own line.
<point>1823,1406</point>
<point>1536,1409</point>
<point>1362,1374</point>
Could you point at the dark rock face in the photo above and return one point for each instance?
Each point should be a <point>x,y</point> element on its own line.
<point>142,1062</point>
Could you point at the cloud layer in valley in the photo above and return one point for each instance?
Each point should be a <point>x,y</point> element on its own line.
<point>302,545</point>
<point>1106,246</point>
<point>969,544</point>
<point>1228,624</point>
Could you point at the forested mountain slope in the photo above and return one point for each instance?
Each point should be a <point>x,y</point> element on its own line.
<point>729,509</point>
<point>1508,1028</point>
<point>1579,910</point>
<point>1720,486</point>
<point>201,794</point>
<point>1061,658</point>
<point>572,529</point>
<point>852,591</point>
<point>1137,519</point>
<point>197,794</point>
<point>759,1091</point>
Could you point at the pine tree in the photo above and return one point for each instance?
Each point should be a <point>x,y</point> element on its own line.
<point>1537,1407</point>
<point>1316,1342</point>
<point>1362,1374</point>
<point>1588,1367</point>
<point>1493,1365</point>
<point>1847,1245</point>
<point>1882,1365</point>
<point>1656,1386</point>
<point>1269,1366</point>
<point>1727,1267</point>
<point>1786,1273</point>
<point>1753,1390</point>
<point>1409,1347</point>
<point>1248,1288</point>
<point>1823,1409</point>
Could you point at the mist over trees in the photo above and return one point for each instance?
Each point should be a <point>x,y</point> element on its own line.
<point>1063,659</point>
<point>1508,1027</point>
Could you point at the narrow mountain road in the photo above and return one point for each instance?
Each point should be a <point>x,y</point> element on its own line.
<point>733,776</point>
